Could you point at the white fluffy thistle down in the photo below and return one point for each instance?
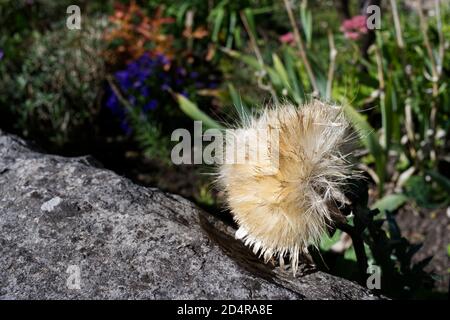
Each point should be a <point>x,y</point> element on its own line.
<point>281,212</point>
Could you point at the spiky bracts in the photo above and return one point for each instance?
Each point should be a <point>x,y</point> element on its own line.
<point>281,211</point>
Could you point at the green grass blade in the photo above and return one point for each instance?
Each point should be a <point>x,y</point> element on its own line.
<point>297,88</point>
<point>218,19</point>
<point>240,106</point>
<point>281,71</point>
<point>232,26</point>
<point>192,110</point>
<point>370,141</point>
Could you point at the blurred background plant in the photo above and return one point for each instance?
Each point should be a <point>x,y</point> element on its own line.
<point>137,70</point>
<point>54,94</point>
<point>157,68</point>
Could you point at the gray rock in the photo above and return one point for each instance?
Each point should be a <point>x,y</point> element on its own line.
<point>65,219</point>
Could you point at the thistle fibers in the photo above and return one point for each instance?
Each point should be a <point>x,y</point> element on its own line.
<point>281,212</point>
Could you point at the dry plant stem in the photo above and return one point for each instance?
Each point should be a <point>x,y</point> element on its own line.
<point>301,48</point>
<point>188,26</point>
<point>382,86</point>
<point>408,115</point>
<point>409,124</point>
<point>370,172</point>
<point>440,63</point>
<point>333,54</point>
<point>267,87</point>
<point>398,29</point>
<point>426,42</point>
<point>358,245</point>
<point>434,72</point>
<point>379,60</point>
<point>117,92</point>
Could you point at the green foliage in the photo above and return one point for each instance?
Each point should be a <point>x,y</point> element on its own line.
<point>240,106</point>
<point>427,192</point>
<point>392,82</point>
<point>370,141</point>
<point>149,136</point>
<point>54,93</point>
<point>222,18</point>
<point>390,203</point>
<point>192,110</point>
<point>402,278</point>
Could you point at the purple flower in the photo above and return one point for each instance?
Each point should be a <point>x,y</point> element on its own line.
<point>113,103</point>
<point>181,71</point>
<point>123,78</point>
<point>163,59</point>
<point>137,84</point>
<point>143,74</point>
<point>165,87</point>
<point>145,92</point>
<point>151,105</point>
<point>162,76</point>
<point>194,75</point>
<point>1,54</point>
<point>132,100</point>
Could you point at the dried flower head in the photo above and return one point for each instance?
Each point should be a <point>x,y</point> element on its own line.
<point>281,212</point>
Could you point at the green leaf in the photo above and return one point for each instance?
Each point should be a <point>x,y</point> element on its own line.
<point>370,141</point>
<point>237,37</point>
<point>281,70</point>
<point>327,242</point>
<point>306,20</point>
<point>217,24</point>
<point>247,59</point>
<point>180,13</point>
<point>251,21</point>
<point>192,110</point>
<point>241,108</point>
<point>386,116</point>
<point>297,87</point>
<point>440,179</point>
<point>390,202</point>
<point>254,63</point>
<point>350,254</point>
<point>319,73</point>
<point>232,26</point>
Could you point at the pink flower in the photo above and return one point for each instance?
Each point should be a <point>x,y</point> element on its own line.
<point>353,28</point>
<point>352,35</point>
<point>286,38</point>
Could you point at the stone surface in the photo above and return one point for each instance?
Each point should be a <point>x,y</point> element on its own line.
<point>64,217</point>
